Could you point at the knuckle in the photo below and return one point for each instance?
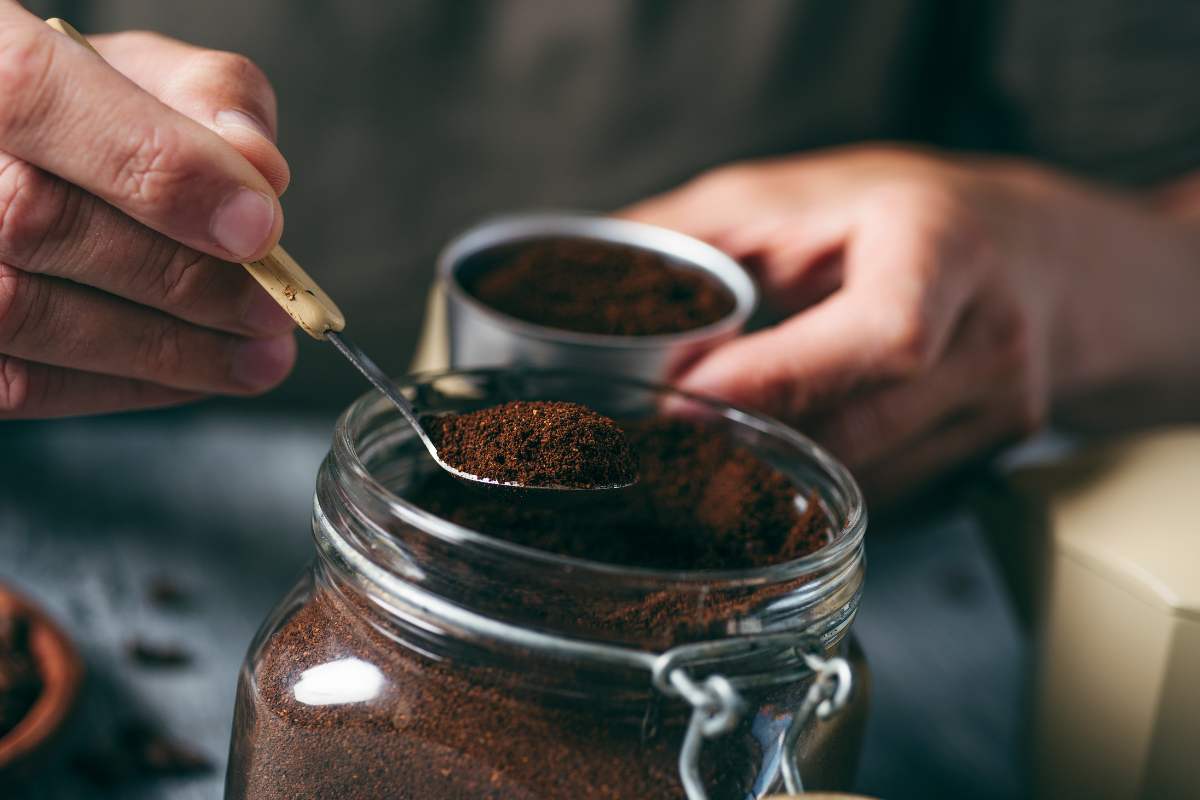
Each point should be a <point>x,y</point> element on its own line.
<point>161,350</point>
<point>919,197</point>
<point>183,281</point>
<point>1012,340</point>
<point>731,180</point>
<point>908,343</point>
<point>235,71</point>
<point>28,209</point>
<point>23,301</point>
<point>856,427</point>
<point>25,63</point>
<point>14,385</point>
<point>235,65</point>
<point>947,222</point>
<point>150,170</point>
<point>925,199</point>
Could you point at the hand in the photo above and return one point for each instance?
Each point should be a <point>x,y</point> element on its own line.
<point>938,308</point>
<point>124,190</point>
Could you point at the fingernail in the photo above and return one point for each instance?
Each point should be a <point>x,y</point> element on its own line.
<point>262,363</point>
<point>233,118</point>
<point>263,315</point>
<point>243,222</point>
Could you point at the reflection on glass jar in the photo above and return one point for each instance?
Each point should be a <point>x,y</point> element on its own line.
<point>421,659</point>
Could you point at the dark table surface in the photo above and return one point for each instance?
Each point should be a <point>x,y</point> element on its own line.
<point>92,512</point>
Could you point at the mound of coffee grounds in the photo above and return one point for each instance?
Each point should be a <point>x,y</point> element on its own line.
<point>701,502</point>
<point>165,593</point>
<point>20,681</point>
<point>536,444</point>
<point>589,286</point>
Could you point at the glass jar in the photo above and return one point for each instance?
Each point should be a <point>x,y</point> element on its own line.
<point>421,659</point>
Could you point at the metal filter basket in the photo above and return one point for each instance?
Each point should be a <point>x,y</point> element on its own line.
<point>482,336</point>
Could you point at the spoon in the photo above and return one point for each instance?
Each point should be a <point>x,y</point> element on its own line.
<point>318,316</point>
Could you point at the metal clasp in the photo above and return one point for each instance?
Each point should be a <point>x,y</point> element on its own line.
<point>718,706</point>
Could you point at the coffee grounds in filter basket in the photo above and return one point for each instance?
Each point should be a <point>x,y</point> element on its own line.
<point>536,443</point>
<point>597,287</point>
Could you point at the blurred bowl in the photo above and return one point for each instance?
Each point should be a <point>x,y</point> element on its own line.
<point>61,671</point>
<point>481,336</point>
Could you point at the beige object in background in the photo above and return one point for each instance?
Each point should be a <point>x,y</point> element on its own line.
<point>433,348</point>
<point>1113,581</point>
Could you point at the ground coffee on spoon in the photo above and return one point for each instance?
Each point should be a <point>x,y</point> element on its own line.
<point>536,443</point>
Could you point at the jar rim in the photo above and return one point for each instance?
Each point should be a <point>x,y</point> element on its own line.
<point>846,540</point>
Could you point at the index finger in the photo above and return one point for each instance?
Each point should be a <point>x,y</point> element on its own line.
<point>63,109</point>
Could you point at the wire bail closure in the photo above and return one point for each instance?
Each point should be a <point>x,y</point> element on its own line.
<point>718,706</point>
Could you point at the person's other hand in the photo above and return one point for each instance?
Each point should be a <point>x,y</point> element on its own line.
<point>938,308</point>
<point>124,190</point>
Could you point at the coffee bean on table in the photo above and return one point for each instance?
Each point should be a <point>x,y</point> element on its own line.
<point>140,750</point>
<point>158,654</point>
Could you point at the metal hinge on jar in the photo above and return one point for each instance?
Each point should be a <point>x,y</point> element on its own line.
<point>717,705</point>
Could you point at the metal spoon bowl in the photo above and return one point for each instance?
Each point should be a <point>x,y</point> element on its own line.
<point>538,494</point>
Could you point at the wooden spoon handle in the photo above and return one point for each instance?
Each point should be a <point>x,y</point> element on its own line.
<point>297,293</point>
<point>68,30</point>
<point>287,283</point>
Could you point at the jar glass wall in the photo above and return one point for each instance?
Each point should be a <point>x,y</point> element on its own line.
<point>422,659</point>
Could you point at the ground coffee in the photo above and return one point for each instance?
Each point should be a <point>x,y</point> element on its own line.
<point>536,444</point>
<point>598,287</point>
<point>20,681</point>
<point>701,502</point>
<point>463,730</point>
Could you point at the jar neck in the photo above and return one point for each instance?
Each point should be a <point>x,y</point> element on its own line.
<point>445,588</point>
